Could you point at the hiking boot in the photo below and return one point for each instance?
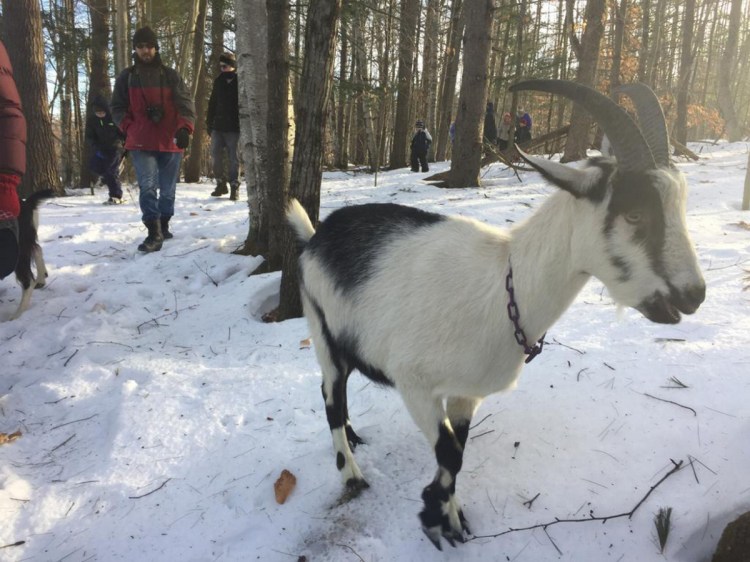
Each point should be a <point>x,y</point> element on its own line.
<point>113,201</point>
<point>221,189</point>
<point>233,196</point>
<point>154,240</point>
<point>166,234</point>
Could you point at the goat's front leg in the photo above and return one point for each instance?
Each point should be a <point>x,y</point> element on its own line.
<point>460,412</point>
<point>441,515</point>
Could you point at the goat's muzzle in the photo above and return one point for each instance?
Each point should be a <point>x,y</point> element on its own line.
<point>667,309</point>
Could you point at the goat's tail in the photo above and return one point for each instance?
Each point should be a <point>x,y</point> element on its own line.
<point>30,204</point>
<point>298,219</point>
<point>27,221</point>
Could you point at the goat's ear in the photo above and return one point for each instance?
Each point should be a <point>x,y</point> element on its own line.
<point>578,182</point>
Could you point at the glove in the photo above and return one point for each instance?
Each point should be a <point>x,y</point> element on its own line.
<point>10,206</point>
<point>182,138</point>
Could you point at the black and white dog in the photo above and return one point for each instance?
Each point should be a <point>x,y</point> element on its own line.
<point>28,248</point>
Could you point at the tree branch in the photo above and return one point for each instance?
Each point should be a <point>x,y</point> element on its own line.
<point>628,514</point>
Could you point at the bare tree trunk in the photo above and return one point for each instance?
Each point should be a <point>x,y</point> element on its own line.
<point>121,36</point>
<point>23,30</point>
<point>187,34</point>
<point>253,96</point>
<point>467,152</point>
<point>644,53</point>
<point>580,119</point>
<point>342,157</point>
<point>726,67</point>
<point>368,101</point>
<point>277,125</point>
<point>192,167</point>
<point>686,66</point>
<point>310,112</point>
<point>430,57</point>
<point>448,83</point>
<point>406,47</point>
<point>621,12</point>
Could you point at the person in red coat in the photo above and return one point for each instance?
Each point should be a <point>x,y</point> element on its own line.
<point>154,108</point>
<point>12,164</point>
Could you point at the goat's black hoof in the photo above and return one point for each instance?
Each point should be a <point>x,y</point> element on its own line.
<point>354,487</point>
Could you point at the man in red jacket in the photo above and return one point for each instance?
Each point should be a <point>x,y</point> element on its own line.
<point>12,164</point>
<point>152,105</point>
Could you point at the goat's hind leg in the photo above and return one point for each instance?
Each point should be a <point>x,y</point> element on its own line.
<point>335,375</point>
<point>441,515</point>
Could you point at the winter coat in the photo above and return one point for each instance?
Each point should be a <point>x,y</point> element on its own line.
<point>421,141</point>
<point>223,105</point>
<point>102,134</point>
<point>12,121</point>
<point>152,85</point>
<point>490,131</point>
<point>524,116</point>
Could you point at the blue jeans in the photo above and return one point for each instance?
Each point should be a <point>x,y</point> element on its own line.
<point>229,141</point>
<point>156,171</point>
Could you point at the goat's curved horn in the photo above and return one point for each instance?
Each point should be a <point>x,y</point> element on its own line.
<point>651,119</point>
<point>631,149</point>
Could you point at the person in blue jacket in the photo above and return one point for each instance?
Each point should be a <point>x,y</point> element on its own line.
<point>106,142</point>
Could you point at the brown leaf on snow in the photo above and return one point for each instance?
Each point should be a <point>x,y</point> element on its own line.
<point>743,224</point>
<point>305,344</point>
<point>9,437</point>
<point>284,485</point>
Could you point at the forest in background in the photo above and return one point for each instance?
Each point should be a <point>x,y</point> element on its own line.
<point>695,54</point>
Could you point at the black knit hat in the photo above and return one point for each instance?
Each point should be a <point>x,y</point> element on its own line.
<point>419,124</point>
<point>228,59</point>
<point>145,35</point>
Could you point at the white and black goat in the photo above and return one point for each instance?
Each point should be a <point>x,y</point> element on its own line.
<point>28,250</point>
<point>446,309</point>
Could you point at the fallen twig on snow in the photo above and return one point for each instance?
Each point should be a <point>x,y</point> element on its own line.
<point>151,492</point>
<point>629,514</point>
<point>670,402</point>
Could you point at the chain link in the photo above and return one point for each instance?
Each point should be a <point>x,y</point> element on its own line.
<point>515,317</point>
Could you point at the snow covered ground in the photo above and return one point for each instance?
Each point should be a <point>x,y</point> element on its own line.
<point>157,409</point>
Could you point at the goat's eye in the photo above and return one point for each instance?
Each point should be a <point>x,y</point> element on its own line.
<point>634,217</point>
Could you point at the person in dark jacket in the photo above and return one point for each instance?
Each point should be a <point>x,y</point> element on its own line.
<point>523,126</point>
<point>153,107</point>
<point>420,146</point>
<point>523,130</point>
<point>223,125</point>
<point>12,164</point>
<point>490,130</point>
<point>106,142</point>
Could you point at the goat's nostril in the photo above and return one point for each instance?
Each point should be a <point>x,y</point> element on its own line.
<point>688,300</point>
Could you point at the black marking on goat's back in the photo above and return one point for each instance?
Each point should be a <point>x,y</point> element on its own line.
<point>350,240</point>
<point>634,192</point>
<point>344,350</point>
